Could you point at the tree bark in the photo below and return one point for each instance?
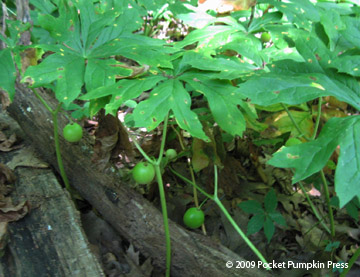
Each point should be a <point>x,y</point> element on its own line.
<point>128,212</point>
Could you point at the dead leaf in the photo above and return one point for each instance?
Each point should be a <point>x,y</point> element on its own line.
<point>7,178</point>
<point>9,212</point>
<point>133,254</point>
<point>4,99</point>
<point>8,144</point>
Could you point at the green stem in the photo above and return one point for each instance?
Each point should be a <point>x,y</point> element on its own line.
<point>351,262</point>
<point>313,208</point>
<point>165,218</point>
<point>42,101</point>
<point>317,119</point>
<point>327,197</point>
<point>294,122</point>
<point>57,148</point>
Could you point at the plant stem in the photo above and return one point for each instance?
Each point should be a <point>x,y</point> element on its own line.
<point>351,262</point>
<point>294,122</point>
<point>317,119</point>
<point>54,114</point>
<point>327,197</point>
<point>165,218</point>
<point>313,208</point>
<point>57,148</point>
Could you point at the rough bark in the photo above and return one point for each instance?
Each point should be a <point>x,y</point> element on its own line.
<point>127,211</point>
<point>48,241</point>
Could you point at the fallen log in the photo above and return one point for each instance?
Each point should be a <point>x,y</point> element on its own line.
<point>128,212</point>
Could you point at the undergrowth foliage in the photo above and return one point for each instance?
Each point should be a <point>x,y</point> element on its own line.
<point>220,74</point>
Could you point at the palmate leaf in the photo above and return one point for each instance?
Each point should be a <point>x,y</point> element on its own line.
<point>66,69</point>
<point>223,101</point>
<point>122,91</point>
<point>170,95</point>
<point>308,158</point>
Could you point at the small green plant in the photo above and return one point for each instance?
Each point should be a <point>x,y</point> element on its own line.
<point>263,217</point>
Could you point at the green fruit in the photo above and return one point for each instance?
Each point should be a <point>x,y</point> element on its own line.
<point>170,154</point>
<point>73,132</point>
<point>265,37</point>
<point>292,141</point>
<point>194,218</point>
<point>143,173</point>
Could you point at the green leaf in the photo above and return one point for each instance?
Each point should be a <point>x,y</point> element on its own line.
<point>228,69</point>
<point>251,207</point>
<point>44,5</point>
<point>273,88</point>
<point>352,30</point>
<point>347,64</point>
<point>269,228</point>
<point>332,23</point>
<point>223,101</point>
<point>255,224</point>
<point>169,95</point>
<point>270,201</point>
<point>352,210</point>
<point>347,174</point>
<point>332,245</point>
<point>102,73</point>
<point>7,72</point>
<point>66,69</point>
<point>308,158</point>
<point>277,217</point>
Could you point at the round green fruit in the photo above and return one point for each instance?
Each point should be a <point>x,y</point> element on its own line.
<point>143,173</point>
<point>292,141</point>
<point>194,218</point>
<point>73,132</point>
<point>265,37</point>
<point>170,154</point>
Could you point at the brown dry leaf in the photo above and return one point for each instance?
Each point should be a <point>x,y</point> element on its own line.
<point>8,144</point>
<point>26,157</point>
<point>9,212</point>
<point>7,178</point>
<point>133,255</point>
<point>111,141</point>
<point>4,99</point>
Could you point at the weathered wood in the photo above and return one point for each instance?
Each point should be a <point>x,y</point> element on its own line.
<point>49,241</point>
<point>127,211</point>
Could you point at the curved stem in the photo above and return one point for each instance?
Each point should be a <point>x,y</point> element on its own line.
<point>43,101</point>
<point>327,197</point>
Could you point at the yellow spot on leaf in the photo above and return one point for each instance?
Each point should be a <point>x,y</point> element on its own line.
<point>316,85</point>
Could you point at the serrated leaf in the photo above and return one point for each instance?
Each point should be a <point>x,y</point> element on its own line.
<point>66,69</point>
<point>269,228</point>
<point>223,101</point>
<point>102,73</point>
<point>272,88</point>
<point>347,64</point>
<point>270,201</point>
<point>7,72</point>
<point>251,207</point>
<point>308,158</point>
<point>255,224</point>
<point>168,95</point>
<point>228,69</point>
